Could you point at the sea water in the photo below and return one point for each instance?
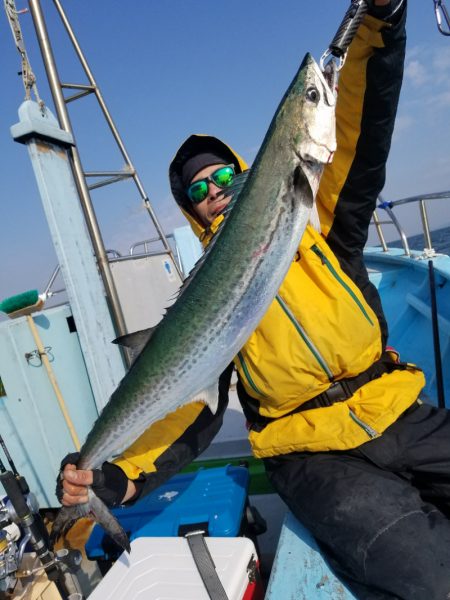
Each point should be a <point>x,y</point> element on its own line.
<point>440,239</point>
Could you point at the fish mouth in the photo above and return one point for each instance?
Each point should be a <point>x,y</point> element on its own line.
<point>315,154</point>
<point>315,150</point>
<point>328,92</point>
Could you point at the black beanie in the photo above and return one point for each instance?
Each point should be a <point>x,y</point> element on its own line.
<point>198,162</point>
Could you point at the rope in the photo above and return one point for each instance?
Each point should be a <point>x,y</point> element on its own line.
<point>28,77</point>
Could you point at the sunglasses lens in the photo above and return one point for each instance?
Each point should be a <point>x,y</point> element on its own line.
<point>223,177</point>
<point>198,191</point>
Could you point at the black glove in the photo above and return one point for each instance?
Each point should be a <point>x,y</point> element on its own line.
<point>110,482</point>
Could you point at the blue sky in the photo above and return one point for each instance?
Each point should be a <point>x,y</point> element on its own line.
<point>168,68</point>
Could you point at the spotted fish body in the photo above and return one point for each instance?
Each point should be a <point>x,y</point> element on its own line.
<point>224,299</point>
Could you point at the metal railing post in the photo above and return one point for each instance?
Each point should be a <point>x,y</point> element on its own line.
<point>425,225</point>
<point>64,120</point>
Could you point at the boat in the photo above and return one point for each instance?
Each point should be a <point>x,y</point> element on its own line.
<point>47,364</point>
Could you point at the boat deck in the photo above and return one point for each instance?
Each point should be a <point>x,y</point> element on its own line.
<point>299,571</point>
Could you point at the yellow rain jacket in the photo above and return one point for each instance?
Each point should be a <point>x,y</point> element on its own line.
<point>326,323</point>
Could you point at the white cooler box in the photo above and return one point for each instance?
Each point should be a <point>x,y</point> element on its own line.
<point>163,568</point>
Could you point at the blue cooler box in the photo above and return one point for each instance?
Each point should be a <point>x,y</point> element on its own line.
<point>210,499</point>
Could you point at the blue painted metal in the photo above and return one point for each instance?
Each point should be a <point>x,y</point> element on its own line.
<point>299,570</point>
<point>31,421</point>
<point>47,144</point>
<point>403,284</point>
<point>39,123</point>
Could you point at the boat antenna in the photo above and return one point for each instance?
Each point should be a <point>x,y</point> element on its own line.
<point>28,77</point>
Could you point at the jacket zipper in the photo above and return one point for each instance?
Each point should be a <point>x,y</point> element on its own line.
<point>306,339</point>
<point>249,377</point>
<point>367,428</point>
<point>336,275</point>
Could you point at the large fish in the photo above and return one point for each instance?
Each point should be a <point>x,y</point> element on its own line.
<point>226,296</point>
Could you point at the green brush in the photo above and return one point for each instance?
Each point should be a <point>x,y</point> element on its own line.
<point>22,304</point>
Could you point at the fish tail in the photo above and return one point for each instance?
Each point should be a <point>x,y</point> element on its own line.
<point>67,516</point>
<point>93,508</point>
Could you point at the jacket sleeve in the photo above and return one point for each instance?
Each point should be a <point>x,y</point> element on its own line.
<point>369,89</point>
<point>174,442</point>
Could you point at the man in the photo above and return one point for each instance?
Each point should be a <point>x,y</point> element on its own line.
<point>334,416</point>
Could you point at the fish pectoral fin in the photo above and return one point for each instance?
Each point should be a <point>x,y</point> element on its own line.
<point>314,218</point>
<point>135,341</point>
<point>209,396</point>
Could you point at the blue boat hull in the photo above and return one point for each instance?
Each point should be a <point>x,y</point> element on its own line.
<point>404,286</point>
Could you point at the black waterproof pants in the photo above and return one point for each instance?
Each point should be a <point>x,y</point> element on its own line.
<point>380,512</point>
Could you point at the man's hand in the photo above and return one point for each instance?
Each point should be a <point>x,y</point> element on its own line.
<point>109,483</point>
<point>74,485</point>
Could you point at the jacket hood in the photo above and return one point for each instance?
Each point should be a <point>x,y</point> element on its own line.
<point>197,144</point>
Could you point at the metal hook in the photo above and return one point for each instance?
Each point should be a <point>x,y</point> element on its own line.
<point>328,57</point>
<point>441,11</point>
<point>337,50</point>
<point>36,356</point>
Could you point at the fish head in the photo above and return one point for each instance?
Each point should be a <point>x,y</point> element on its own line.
<point>314,119</point>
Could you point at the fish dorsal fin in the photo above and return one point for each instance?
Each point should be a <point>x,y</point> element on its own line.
<point>135,341</point>
<point>209,396</point>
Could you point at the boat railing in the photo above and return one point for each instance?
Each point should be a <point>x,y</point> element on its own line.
<point>148,244</point>
<point>112,254</point>
<point>388,207</point>
<point>150,248</point>
<point>116,256</point>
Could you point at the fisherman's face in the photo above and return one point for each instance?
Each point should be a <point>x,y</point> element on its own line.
<point>214,203</point>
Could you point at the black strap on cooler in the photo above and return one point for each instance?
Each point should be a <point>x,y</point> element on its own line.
<point>186,528</point>
<point>342,389</point>
<point>205,565</point>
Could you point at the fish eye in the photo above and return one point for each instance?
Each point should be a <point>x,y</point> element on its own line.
<point>313,94</point>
